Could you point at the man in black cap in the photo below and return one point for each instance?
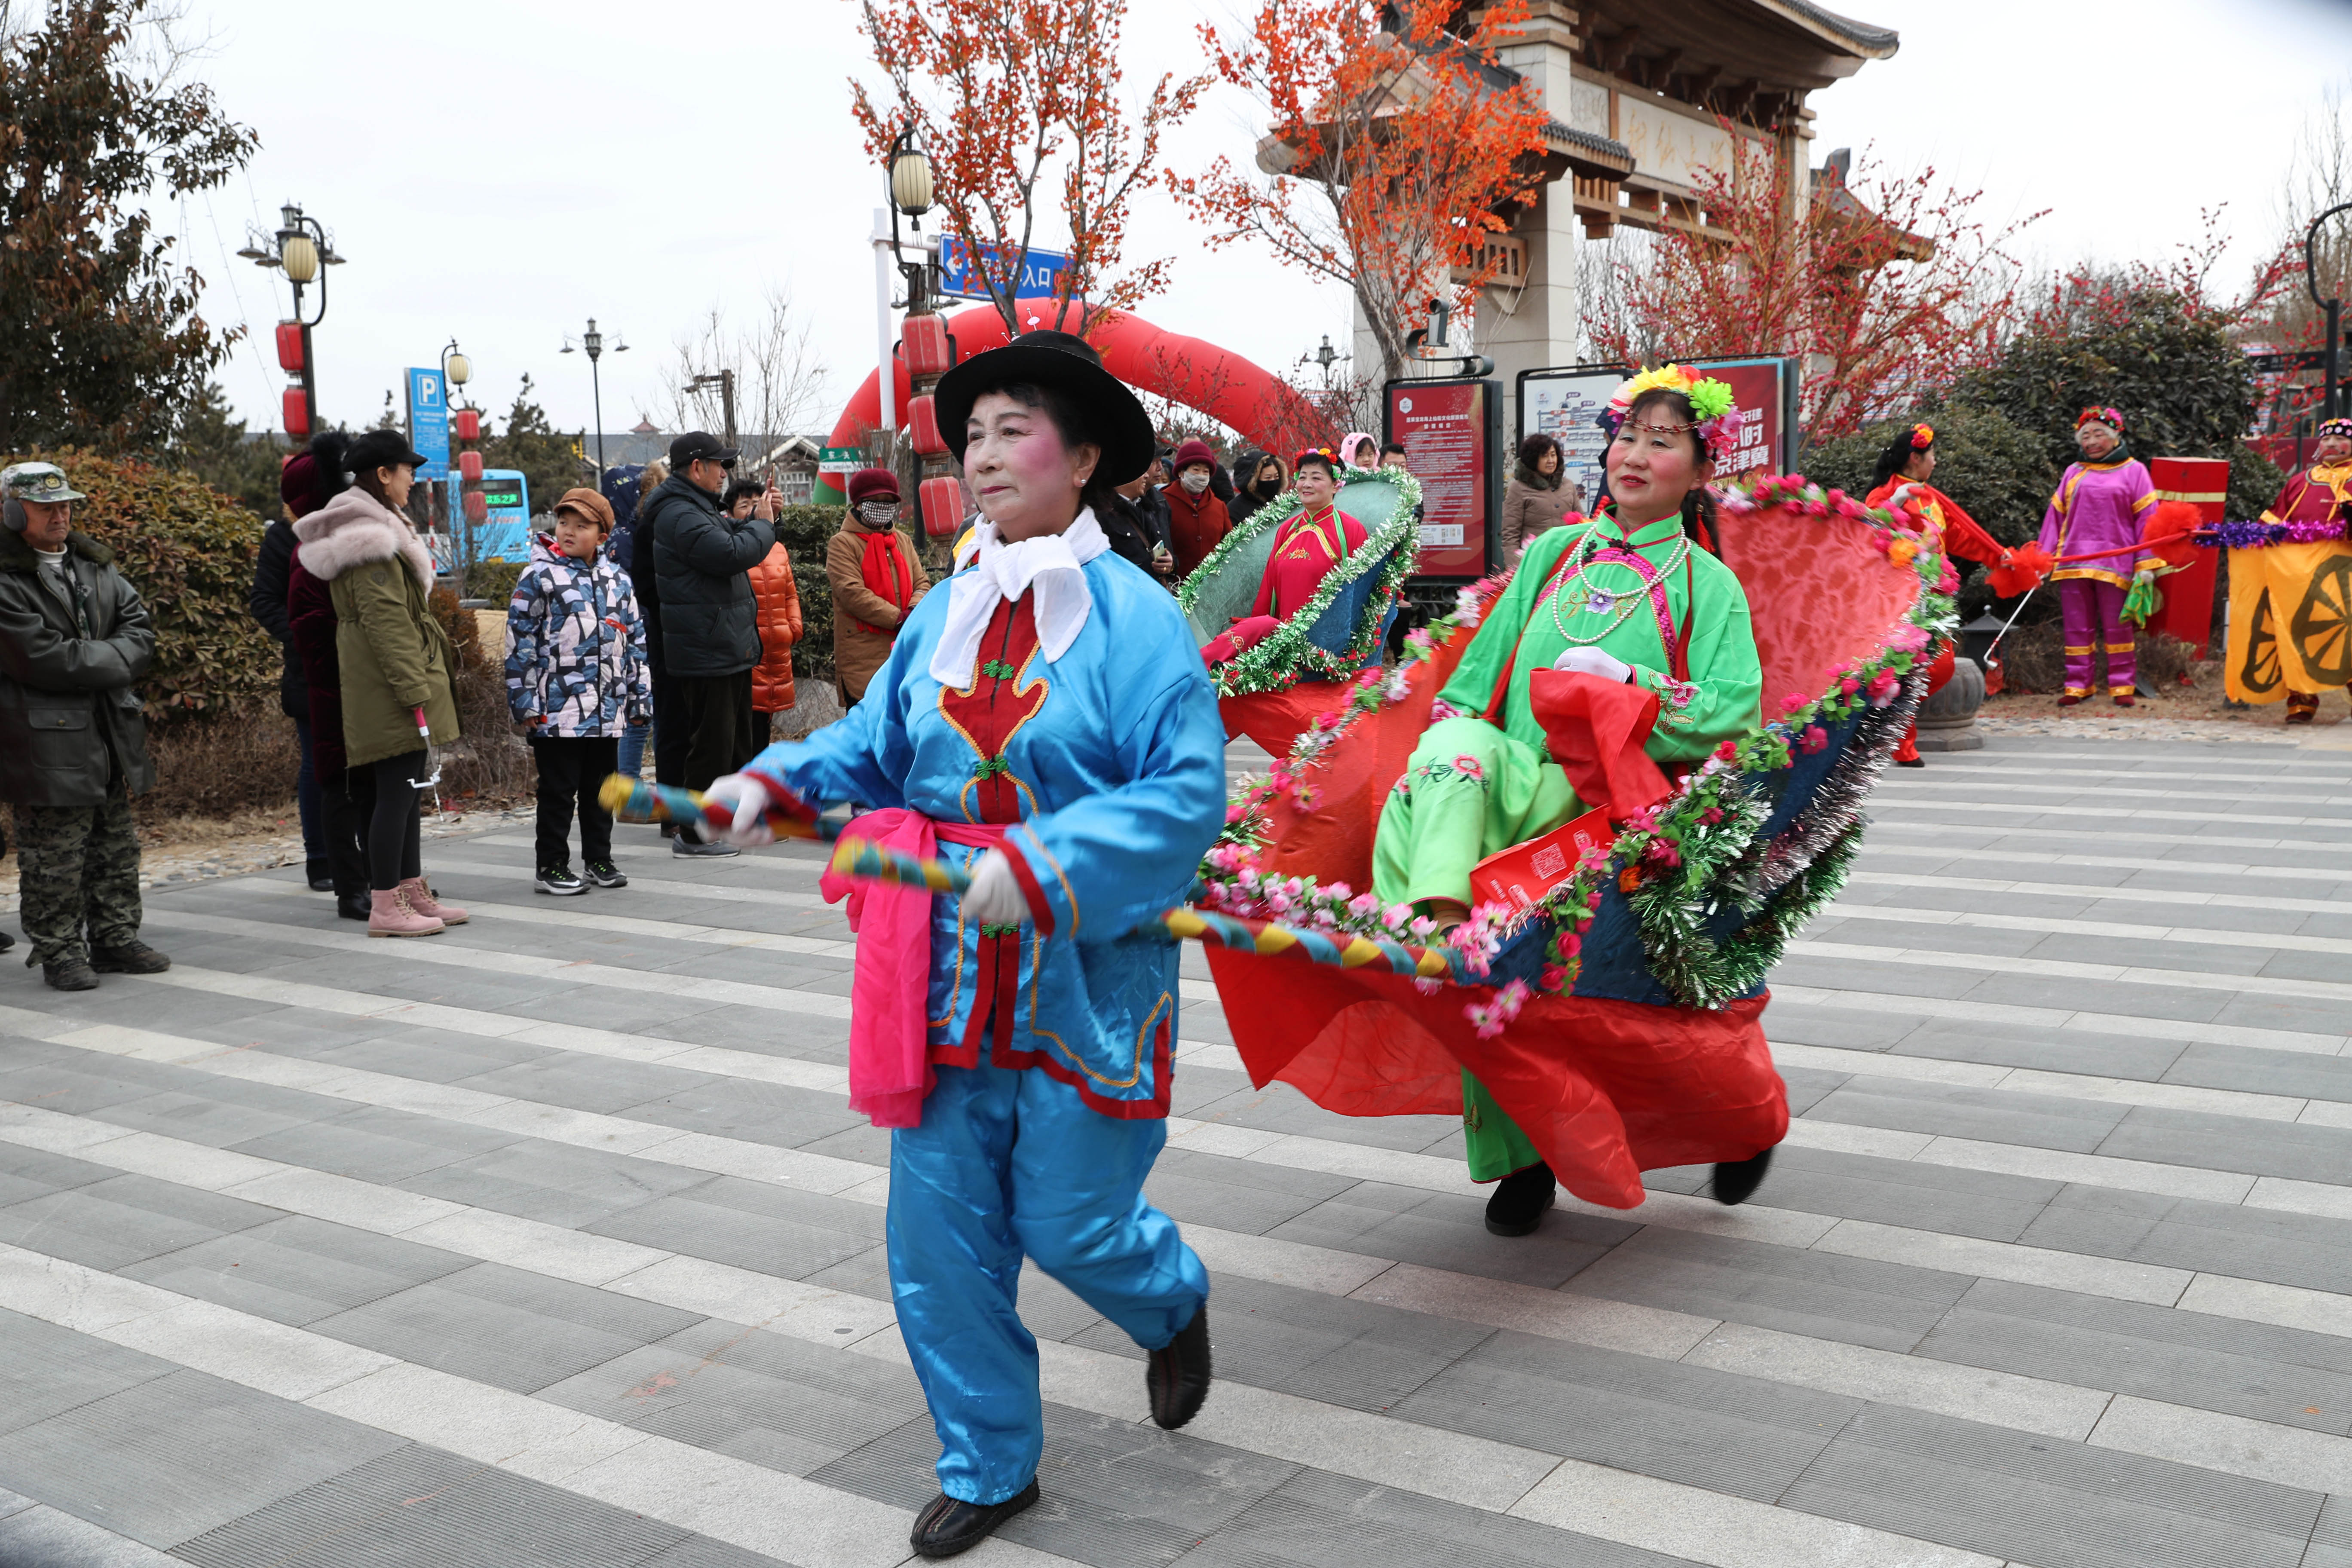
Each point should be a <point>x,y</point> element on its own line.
<point>709,616</point>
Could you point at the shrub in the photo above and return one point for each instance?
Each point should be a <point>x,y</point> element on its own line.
<point>189,549</point>
<point>2034,659</point>
<point>220,763</point>
<point>2000,474</point>
<point>803,532</point>
<point>490,761</point>
<point>494,580</point>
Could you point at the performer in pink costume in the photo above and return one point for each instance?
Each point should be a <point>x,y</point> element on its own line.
<point>2101,504</point>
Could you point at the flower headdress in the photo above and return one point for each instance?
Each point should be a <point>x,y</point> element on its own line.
<point>1923,436</point>
<point>2335,427</point>
<point>2111,418</point>
<point>1719,419</point>
<point>1325,453</point>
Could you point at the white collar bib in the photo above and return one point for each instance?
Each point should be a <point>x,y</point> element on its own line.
<point>1053,565</point>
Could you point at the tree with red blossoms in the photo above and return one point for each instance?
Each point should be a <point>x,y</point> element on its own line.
<point>1886,284</point>
<point>1018,103</point>
<point>1389,157</point>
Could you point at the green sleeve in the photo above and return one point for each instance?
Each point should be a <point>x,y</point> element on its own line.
<point>1472,686</point>
<point>1726,681</point>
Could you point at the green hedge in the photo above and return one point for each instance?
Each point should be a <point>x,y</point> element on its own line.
<point>189,549</point>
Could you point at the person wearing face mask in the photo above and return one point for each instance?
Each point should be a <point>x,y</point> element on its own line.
<point>877,578</point>
<point>1630,596</point>
<point>2102,504</point>
<point>1258,477</point>
<point>1042,722</point>
<point>1197,520</point>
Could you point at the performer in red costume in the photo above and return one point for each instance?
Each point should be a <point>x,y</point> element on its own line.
<point>1901,483</point>
<point>1309,543</point>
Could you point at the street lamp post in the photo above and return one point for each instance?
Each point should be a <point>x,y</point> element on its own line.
<point>301,247</point>
<point>2332,307</point>
<point>908,186</point>
<point>593,341</point>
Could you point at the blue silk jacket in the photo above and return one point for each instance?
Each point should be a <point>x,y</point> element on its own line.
<point>1103,772</point>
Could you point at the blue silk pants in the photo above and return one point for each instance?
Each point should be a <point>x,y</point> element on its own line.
<point>1009,1162</point>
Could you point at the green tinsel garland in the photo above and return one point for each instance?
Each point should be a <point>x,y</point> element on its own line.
<point>1287,657</point>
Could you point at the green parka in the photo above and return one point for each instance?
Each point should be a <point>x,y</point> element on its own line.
<point>394,655</point>
<point>68,716</point>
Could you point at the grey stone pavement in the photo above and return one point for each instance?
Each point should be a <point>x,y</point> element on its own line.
<point>552,1240</point>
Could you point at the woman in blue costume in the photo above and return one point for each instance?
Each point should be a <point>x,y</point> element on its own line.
<point>1046,723</point>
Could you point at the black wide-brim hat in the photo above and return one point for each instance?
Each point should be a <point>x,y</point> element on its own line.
<point>1116,420</point>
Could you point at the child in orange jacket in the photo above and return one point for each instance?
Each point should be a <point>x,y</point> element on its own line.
<point>779,616</point>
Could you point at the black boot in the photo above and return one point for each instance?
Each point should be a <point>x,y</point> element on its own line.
<point>71,972</point>
<point>1520,1200</point>
<point>1176,1375</point>
<point>352,906</point>
<point>1737,1182</point>
<point>321,875</point>
<point>949,1525</point>
<point>133,957</point>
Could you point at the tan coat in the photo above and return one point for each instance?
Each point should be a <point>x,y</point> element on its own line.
<point>856,654</point>
<point>1527,510</point>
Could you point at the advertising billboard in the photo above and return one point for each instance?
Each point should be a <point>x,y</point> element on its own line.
<point>1566,404</point>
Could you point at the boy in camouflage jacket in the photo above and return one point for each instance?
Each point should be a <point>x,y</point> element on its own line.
<point>577,679</point>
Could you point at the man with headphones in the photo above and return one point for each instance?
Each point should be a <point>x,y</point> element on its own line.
<point>74,638</point>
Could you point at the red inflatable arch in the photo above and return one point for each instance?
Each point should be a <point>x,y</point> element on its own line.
<point>1267,411</point>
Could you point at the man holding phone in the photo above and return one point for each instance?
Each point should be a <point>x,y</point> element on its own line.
<point>709,626</point>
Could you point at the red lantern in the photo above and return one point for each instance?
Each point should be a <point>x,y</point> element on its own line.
<point>923,426</point>
<point>290,347</point>
<point>467,425</point>
<point>943,507</point>
<point>477,508</point>
<point>296,414</point>
<point>930,349</point>
<point>469,466</point>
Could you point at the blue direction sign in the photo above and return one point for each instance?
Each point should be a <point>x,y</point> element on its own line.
<point>428,421</point>
<point>1041,272</point>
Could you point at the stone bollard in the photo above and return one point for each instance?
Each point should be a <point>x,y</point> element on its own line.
<point>1947,720</point>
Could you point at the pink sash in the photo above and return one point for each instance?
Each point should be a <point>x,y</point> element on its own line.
<point>889,988</point>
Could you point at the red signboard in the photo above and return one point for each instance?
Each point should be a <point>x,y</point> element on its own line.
<point>1443,424</point>
<point>1760,388</point>
<point>2204,483</point>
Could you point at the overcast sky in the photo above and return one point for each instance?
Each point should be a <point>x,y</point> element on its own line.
<point>498,172</point>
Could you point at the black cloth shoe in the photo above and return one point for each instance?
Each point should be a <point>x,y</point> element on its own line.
<point>322,875</point>
<point>1176,1375</point>
<point>352,906</point>
<point>1737,1182</point>
<point>604,874</point>
<point>949,1525</point>
<point>1910,762</point>
<point>1520,1200</point>
<point>558,880</point>
<point>6,942</point>
<point>71,974</point>
<point>133,957</point>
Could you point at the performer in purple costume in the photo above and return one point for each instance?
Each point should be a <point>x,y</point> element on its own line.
<point>2101,504</point>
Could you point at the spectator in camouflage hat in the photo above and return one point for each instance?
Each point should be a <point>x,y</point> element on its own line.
<point>74,638</point>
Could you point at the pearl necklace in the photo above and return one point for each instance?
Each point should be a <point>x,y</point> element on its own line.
<point>1595,600</point>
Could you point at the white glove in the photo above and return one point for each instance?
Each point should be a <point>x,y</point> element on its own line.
<point>1592,661</point>
<point>748,798</point>
<point>994,898</point>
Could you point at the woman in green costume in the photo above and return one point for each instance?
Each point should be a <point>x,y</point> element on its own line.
<point>1599,596</point>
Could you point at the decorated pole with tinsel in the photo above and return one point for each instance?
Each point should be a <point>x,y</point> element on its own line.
<point>635,800</point>
<point>869,861</point>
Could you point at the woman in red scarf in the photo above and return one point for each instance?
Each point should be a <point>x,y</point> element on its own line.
<point>1310,542</point>
<point>876,578</point>
<point>1900,482</point>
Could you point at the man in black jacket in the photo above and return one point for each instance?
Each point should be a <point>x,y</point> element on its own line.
<point>709,616</point>
<point>266,601</point>
<point>74,639</point>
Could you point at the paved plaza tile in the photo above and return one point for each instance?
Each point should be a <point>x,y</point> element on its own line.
<point>554,1241</point>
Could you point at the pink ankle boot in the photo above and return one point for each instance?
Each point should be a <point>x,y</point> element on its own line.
<point>390,915</point>
<point>420,899</point>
